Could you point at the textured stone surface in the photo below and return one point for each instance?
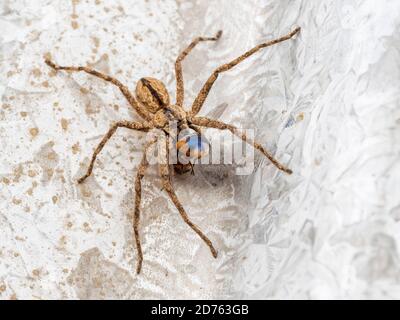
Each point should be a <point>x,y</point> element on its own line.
<point>328,103</point>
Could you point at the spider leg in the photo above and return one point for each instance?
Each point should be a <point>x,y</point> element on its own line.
<point>167,185</point>
<point>141,110</point>
<point>191,169</point>
<point>180,90</point>
<point>121,124</point>
<point>210,123</point>
<point>201,97</point>
<point>138,198</point>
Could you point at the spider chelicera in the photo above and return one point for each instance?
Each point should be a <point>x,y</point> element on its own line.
<point>152,103</point>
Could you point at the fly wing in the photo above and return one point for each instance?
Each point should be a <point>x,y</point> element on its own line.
<point>217,112</point>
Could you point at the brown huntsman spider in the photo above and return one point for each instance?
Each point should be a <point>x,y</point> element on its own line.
<point>152,103</point>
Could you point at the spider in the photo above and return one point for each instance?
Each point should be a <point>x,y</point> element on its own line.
<point>153,104</point>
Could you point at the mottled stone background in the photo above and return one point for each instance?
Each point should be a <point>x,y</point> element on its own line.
<point>327,103</point>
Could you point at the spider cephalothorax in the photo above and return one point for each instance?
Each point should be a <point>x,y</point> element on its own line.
<point>152,94</point>
<point>152,103</point>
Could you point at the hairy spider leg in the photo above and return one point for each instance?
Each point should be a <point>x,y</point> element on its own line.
<point>141,110</point>
<point>202,95</point>
<point>121,124</point>
<point>180,89</point>
<point>210,123</point>
<point>167,185</point>
<point>138,198</point>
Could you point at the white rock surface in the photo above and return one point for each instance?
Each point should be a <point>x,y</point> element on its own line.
<point>327,102</point>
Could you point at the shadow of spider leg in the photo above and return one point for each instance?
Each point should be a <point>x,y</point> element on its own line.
<point>138,198</point>
<point>167,185</point>
<point>210,123</point>
<point>121,124</point>
<point>180,89</point>
<point>201,97</point>
<point>141,110</point>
